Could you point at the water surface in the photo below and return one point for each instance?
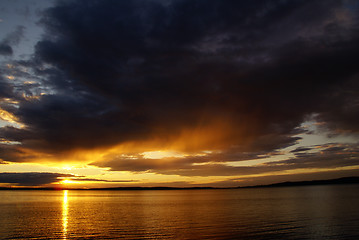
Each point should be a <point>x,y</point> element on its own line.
<point>309,212</point>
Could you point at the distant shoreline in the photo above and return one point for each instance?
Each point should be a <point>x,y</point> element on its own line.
<point>337,181</point>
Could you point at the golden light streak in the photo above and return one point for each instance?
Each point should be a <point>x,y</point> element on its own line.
<point>9,117</point>
<point>65,213</point>
<point>29,82</point>
<point>10,77</point>
<point>5,141</point>
<point>29,97</point>
<point>10,101</point>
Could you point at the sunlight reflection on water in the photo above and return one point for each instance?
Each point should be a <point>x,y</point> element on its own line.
<point>312,212</point>
<point>65,212</point>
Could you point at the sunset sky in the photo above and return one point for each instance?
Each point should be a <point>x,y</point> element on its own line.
<point>178,92</point>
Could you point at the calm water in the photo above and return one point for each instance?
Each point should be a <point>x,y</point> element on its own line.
<point>315,212</point>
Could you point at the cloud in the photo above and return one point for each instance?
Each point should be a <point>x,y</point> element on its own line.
<point>43,178</point>
<point>5,89</point>
<point>235,77</point>
<point>325,157</point>
<point>12,39</point>
<point>82,179</point>
<point>5,49</point>
<point>31,178</point>
<point>328,156</point>
<point>301,149</point>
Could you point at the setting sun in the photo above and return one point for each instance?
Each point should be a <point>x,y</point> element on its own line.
<point>67,181</point>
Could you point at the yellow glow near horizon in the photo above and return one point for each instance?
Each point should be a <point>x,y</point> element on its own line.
<point>67,181</point>
<point>65,212</point>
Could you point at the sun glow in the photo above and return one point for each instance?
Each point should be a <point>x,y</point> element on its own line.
<point>67,181</point>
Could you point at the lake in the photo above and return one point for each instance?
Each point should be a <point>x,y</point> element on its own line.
<point>308,212</point>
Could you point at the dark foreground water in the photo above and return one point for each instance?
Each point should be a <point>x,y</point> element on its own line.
<point>311,212</point>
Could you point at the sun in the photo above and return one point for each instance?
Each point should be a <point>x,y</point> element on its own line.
<point>67,181</point>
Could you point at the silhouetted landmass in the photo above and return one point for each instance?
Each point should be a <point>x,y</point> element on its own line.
<point>114,188</point>
<point>151,188</point>
<point>344,180</point>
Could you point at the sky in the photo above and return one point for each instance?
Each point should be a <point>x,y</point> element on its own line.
<point>177,93</point>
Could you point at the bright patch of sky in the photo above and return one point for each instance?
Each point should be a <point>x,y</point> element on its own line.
<point>16,13</point>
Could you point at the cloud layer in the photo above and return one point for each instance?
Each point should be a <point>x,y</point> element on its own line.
<point>45,178</point>
<point>236,78</point>
<point>31,178</point>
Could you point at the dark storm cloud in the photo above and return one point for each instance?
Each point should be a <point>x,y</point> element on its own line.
<point>5,49</point>
<point>31,178</point>
<point>100,180</point>
<point>5,89</point>
<point>121,71</point>
<point>330,156</point>
<point>10,40</point>
<point>301,149</point>
<point>40,178</point>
